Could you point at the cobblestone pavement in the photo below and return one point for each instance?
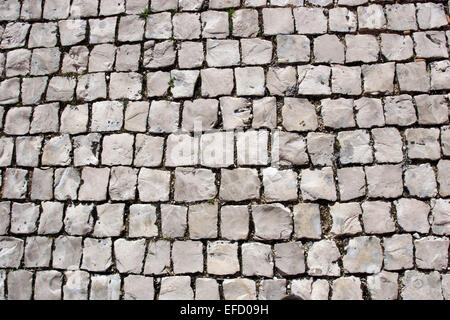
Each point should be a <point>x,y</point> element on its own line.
<point>224,149</point>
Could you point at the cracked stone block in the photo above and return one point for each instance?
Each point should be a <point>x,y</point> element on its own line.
<point>279,185</point>
<point>338,113</point>
<point>215,24</point>
<point>102,57</point>
<point>222,258</point>
<point>347,288</point>
<point>94,186</point>
<point>105,287</point>
<point>352,183</point>
<point>430,44</point>
<point>202,221</point>
<point>42,35</point>
<point>346,218</point>
<point>354,147</point>
<point>14,35</point>
<point>20,286</point>
<point>122,183</point>
<point>310,20</point>
<point>86,149</point>
<point>421,181</point>
<point>109,220</point>
<point>176,287</point>
<point>431,15</point>
<point>159,26</point>
<point>148,151</point>
<point>421,286</point>
<point>314,80</point>
<point>48,285</point>
<point>163,116</point>
<point>190,55</point>
<point>131,28</point>
<point>118,149</point>
<point>342,20</point>
<point>413,76</point>
<point>293,48</point>
<point>187,257</point>
<point>91,87</point>
<point>412,215</point>
<point>51,219</point>
<point>309,290</point>
<point>13,249</point>
<point>194,184</point>
<point>318,184</point>
<point>61,89</point>
<point>245,23</point>
<point>78,219</point>
<point>252,147</point>
<point>264,113</point>
<point>153,185</point>
<point>67,253</point>
<point>440,75</point>
<point>186,26</point>
<point>379,78</point>
<point>71,31</point>
<point>33,89</point>
<point>256,51</point>
<point>102,30</point>
<point>182,150</point>
<point>97,255</point>
<point>272,221</point>
<point>323,259</point>
<point>142,221</point>
<point>423,143</point>
<point>371,17</point>
<point>346,80</point>
<point>299,115</point>
<point>129,255</point>
<point>236,112</point>
<point>399,110</point>
<point>14,183</point>
<point>239,289</point>
<point>383,286</point>
<point>272,289</point>
<point>377,218</point>
<point>282,81</point>
<point>183,83</point>
<point>307,222</point>
<point>289,258</point>
<point>396,47</point>
<point>76,286</point>
<point>234,222</point>
<point>363,255</point>
<point>277,21</point>
<point>257,260</point>
<point>41,184</point>
<point>159,55</point>
<point>432,109</point>
<point>9,91</point>
<point>222,53</point>
<point>138,288</point>
<point>443,177</point>
<point>239,184</point>
<point>173,221</point>
<point>74,119</point>
<point>369,112</point>
<point>321,148</point>
<point>201,115</point>
<point>18,62</point>
<point>328,49</point>
<point>136,114</point>
<point>66,184</point>
<point>432,253</point>
<point>363,48</point>
<point>158,83</point>
<point>37,252</point>
<point>401,17</point>
<point>288,149</point>
<point>384,181</point>
<point>211,76</point>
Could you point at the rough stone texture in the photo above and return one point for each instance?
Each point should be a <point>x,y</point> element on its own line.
<point>224,149</point>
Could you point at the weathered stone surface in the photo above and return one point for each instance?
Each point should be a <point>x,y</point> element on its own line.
<point>383,286</point>
<point>347,288</point>
<point>318,184</point>
<point>346,218</point>
<point>377,217</point>
<point>363,255</point>
<point>234,222</point>
<point>289,258</point>
<point>420,286</point>
<point>239,289</point>
<point>272,221</point>
<point>138,288</point>
<point>129,255</point>
<point>257,260</point>
<point>222,258</point>
<point>176,288</point>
